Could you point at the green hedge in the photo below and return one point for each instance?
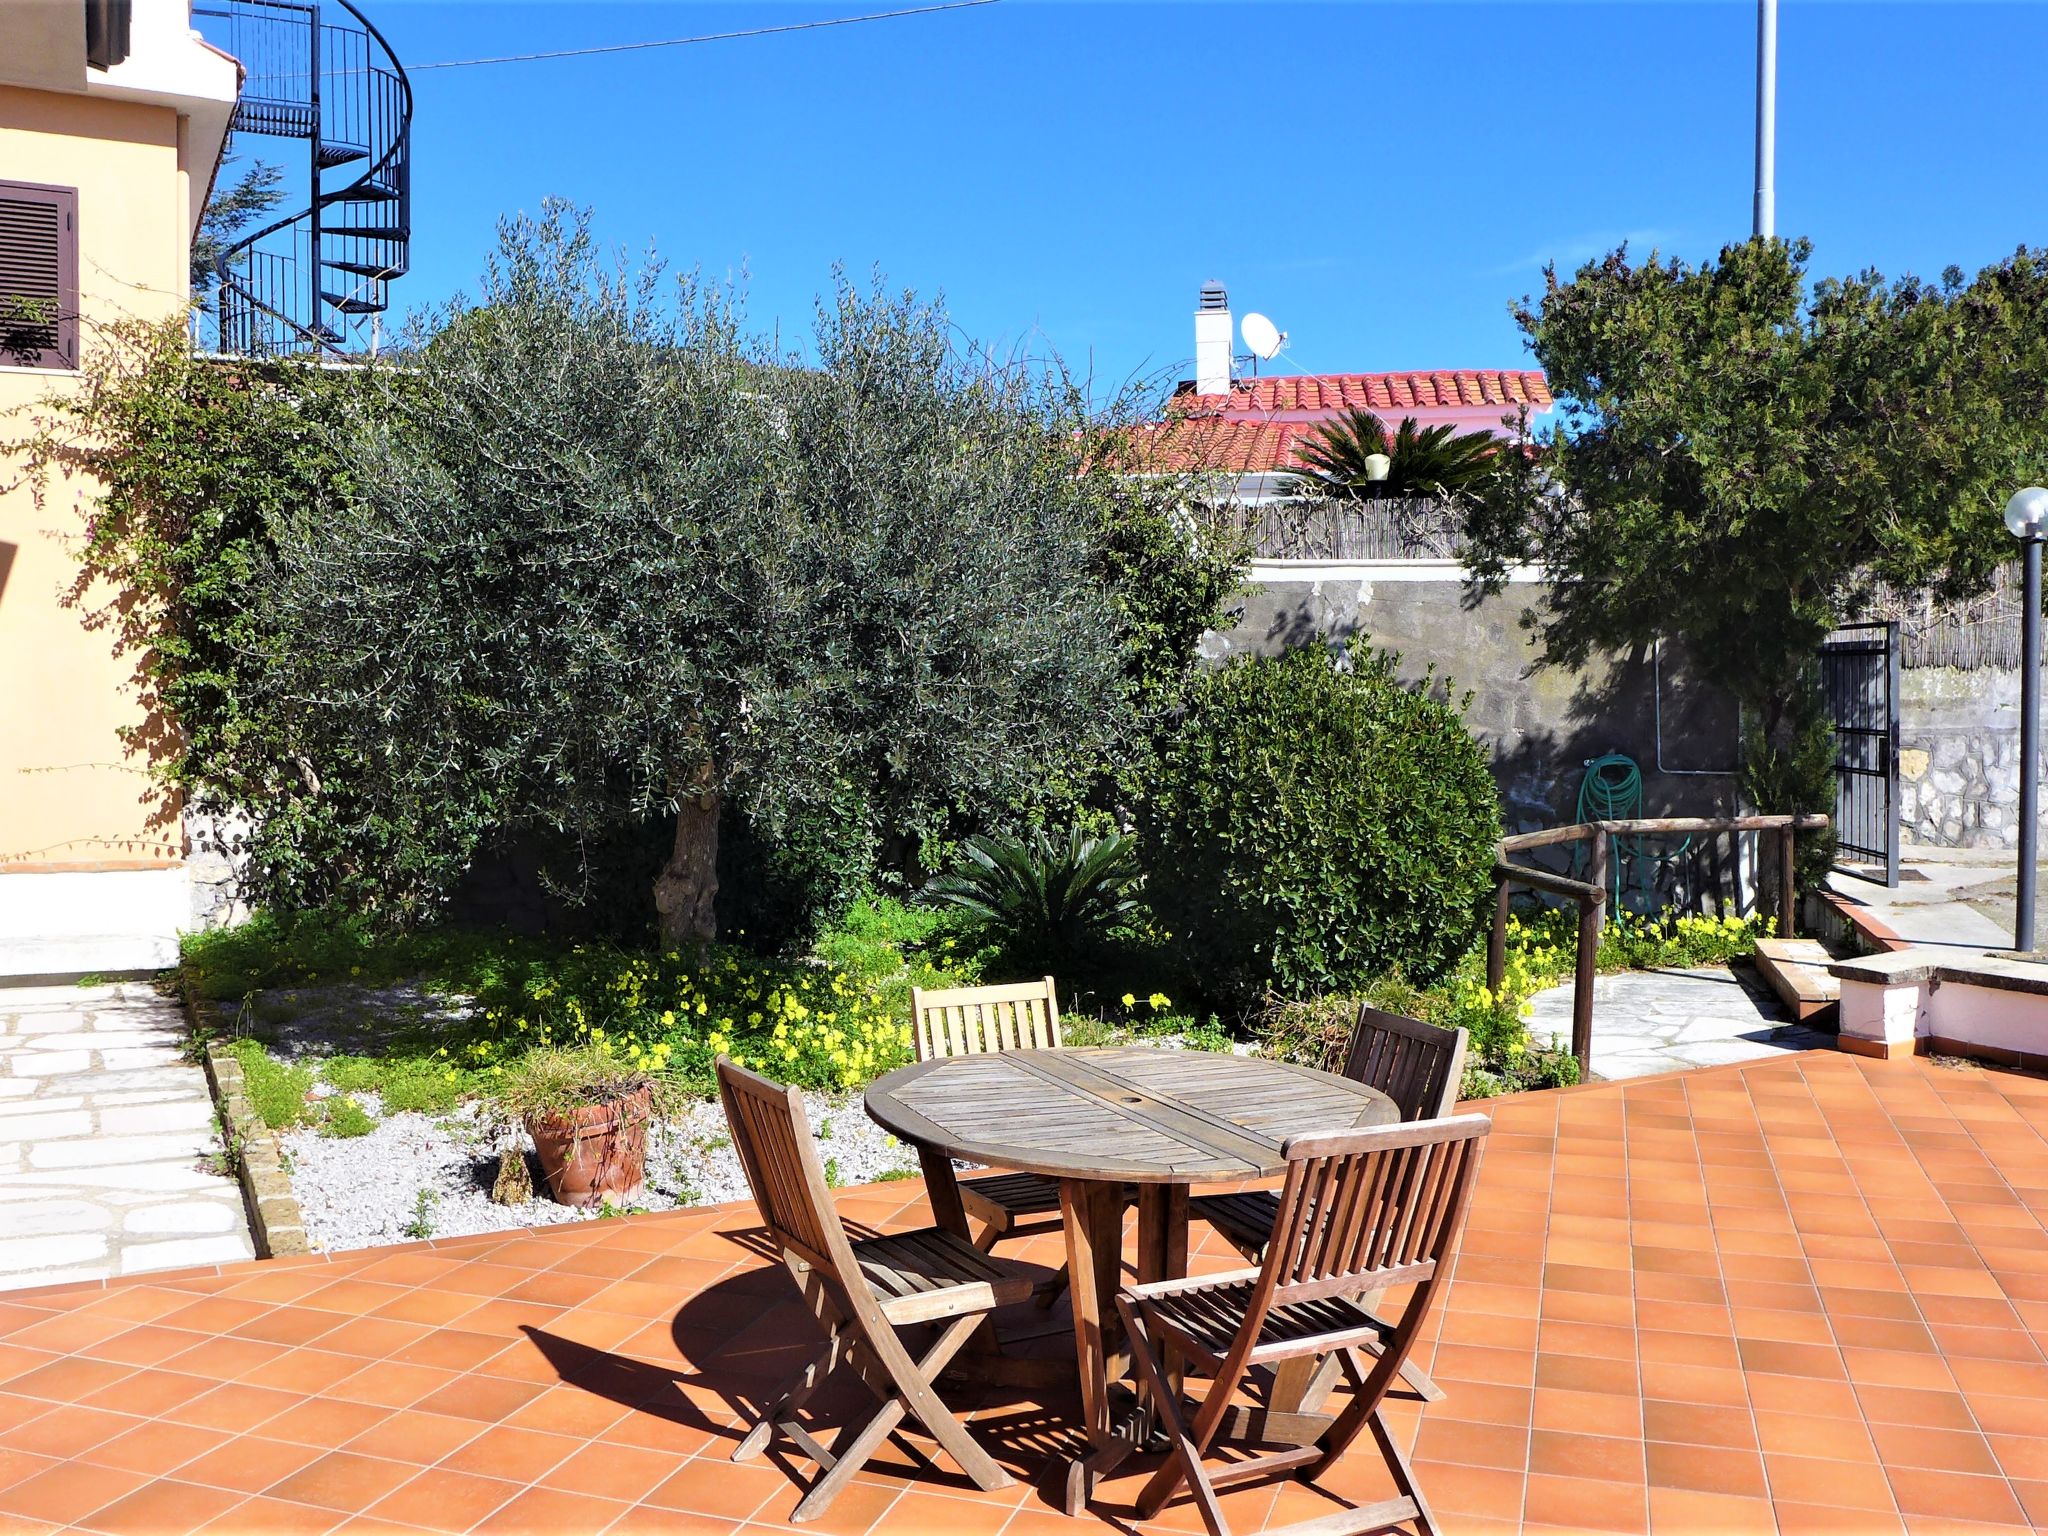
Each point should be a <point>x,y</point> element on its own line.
<point>1312,826</point>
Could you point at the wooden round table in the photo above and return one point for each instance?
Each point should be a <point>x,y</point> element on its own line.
<point>1097,1119</point>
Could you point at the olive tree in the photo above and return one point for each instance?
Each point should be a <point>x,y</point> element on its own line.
<point>604,556</point>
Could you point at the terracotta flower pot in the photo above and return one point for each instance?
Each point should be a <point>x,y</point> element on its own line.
<point>596,1153</point>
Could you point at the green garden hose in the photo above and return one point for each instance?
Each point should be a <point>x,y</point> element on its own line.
<point>1612,790</point>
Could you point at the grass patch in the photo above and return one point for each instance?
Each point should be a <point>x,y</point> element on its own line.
<point>425,1085</point>
<point>833,1019</point>
<point>277,1091</point>
<point>346,1118</point>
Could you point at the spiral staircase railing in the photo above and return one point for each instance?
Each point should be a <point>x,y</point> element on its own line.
<point>318,280</point>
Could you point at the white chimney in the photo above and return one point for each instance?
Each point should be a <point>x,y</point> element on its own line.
<point>1212,341</point>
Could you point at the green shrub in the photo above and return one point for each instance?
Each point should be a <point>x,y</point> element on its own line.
<point>1793,770</point>
<point>277,1091</point>
<point>1047,901</point>
<point>1311,827</point>
<point>780,884</point>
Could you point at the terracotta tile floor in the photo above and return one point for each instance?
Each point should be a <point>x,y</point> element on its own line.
<point>1806,1295</point>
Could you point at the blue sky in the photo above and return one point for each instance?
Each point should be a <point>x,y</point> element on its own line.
<point>1380,179</point>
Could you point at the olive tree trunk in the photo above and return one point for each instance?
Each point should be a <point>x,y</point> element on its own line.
<point>686,891</point>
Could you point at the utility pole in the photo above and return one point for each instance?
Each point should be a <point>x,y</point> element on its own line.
<point>1766,226</point>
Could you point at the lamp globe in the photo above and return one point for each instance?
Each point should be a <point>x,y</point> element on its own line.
<point>2026,515</point>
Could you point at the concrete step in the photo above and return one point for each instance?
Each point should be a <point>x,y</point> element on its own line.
<point>1797,970</point>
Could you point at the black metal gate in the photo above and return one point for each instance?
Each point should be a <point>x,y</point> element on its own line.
<point>1859,673</point>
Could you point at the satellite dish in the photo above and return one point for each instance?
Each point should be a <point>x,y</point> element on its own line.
<point>1262,336</point>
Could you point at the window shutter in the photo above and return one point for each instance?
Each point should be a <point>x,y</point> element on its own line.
<point>38,276</point>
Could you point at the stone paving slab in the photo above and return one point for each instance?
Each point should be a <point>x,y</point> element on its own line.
<point>1645,1022</point>
<point>105,1130</point>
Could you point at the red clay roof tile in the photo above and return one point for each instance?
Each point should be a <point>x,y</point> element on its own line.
<point>1417,390</point>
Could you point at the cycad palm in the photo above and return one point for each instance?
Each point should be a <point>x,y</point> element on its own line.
<point>1436,461</point>
<point>1048,900</point>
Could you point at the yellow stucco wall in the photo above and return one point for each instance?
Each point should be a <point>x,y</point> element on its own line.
<point>71,796</point>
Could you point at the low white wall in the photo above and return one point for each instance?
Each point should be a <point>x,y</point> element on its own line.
<point>1987,1016</point>
<point>1893,1015</point>
<point>1976,1005</point>
<point>72,922</point>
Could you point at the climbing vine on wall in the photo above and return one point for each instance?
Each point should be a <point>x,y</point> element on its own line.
<point>183,469</point>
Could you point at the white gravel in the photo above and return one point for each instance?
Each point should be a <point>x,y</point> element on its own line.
<point>421,1175</point>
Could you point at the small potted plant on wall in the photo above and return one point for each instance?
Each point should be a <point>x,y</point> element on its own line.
<point>588,1114</point>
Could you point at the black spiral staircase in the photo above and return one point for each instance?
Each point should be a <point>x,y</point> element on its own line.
<point>318,280</point>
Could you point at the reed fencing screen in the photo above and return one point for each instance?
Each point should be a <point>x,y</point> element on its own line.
<point>1321,528</point>
<point>1970,634</point>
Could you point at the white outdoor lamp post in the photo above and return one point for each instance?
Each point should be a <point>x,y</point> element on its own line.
<point>2026,515</point>
<point>1377,467</point>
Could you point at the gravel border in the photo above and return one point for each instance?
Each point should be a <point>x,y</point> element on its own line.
<point>418,1176</point>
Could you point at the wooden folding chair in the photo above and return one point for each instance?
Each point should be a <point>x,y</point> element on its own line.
<point>968,1021</point>
<point>860,1293</point>
<point>1361,1211</point>
<point>1418,1066</point>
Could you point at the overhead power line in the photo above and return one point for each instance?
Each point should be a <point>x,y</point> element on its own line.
<point>708,37</point>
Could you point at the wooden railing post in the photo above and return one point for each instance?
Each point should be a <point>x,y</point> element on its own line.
<point>1591,912</point>
<point>1592,918</point>
<point>1497,940</point>
<point>1788,899</point>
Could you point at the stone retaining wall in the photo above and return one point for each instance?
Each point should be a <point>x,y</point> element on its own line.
<point>1959,774</point>
<point>1541,723</point>
<point>1959,757</point>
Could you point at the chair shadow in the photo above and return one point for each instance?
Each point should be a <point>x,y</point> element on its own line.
<point>741,1338</point>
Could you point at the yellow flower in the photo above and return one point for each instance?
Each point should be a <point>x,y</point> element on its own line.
<point>1130,1000</point>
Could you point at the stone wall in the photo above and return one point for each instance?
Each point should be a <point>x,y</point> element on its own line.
<point>1959,756</point>
<point>216,855</point>
<point>1542,724</point>
<point>1959,780</point>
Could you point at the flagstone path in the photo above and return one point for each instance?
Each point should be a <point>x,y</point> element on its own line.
<point>104,1129</point>
<point>1646,1022</point>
